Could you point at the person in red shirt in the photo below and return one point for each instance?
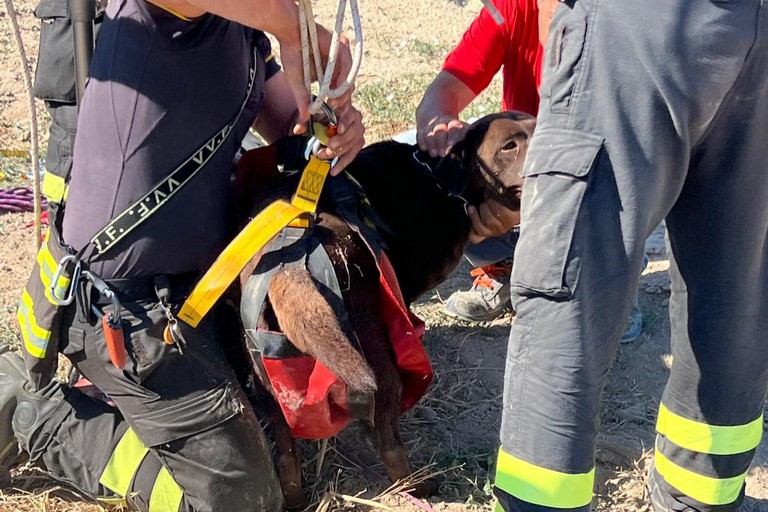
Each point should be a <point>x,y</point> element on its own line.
<point>513,47</point>
<point>486,47</point>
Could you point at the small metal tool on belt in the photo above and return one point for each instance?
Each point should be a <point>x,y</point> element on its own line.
<point>172,334</point>
<point>111,323</point>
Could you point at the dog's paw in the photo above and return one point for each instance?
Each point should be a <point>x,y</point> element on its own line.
<point>295,501</point>
<point>424,489</point>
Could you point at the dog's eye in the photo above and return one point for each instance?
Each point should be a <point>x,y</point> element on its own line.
<point>509,146</point>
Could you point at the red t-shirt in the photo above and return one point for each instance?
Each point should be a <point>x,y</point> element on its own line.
<point>487,47</point>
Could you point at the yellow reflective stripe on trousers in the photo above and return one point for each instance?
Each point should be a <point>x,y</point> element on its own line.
<point>35,337</point>
<point>707,490</point>
<point>711,439</point>
<point>166,493</point>
<point>542,486</point>
<point>123,464</point>
<point>54,187</point>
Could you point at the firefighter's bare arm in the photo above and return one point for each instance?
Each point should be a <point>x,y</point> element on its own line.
<point>438,126</point>
<point>281,19</point>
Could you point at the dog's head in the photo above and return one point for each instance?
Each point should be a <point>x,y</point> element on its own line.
<point>487,164</point>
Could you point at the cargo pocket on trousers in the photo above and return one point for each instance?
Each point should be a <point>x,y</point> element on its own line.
<point>567,40</point>
<point>184,418</point>
<point>55,71</point>
<point>556,176</point>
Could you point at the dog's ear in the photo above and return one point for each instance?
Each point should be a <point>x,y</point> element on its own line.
<point>451,171</point>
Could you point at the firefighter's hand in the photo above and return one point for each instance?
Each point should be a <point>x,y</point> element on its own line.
<point>491,219</point>
<point>350,134</point>
<point>438,134</point>
<point>291,60</point>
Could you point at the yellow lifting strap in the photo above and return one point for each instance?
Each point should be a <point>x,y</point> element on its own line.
<point>252,239</point>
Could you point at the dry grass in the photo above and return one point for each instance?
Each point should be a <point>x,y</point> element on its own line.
<point>33,490</point>
<point>453,433</point>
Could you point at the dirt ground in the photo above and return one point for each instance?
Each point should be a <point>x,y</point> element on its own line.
<point>453,433</point>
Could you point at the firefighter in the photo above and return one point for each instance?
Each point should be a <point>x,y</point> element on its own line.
<point>173,87</point>
<point>649,110</point>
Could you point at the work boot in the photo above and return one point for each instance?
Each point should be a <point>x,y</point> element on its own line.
<point>634,325</point>
<point>487,299</point>
<point>13,375</point>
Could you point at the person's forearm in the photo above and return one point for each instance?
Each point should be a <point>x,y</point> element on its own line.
<point>277,17</point>
<point>445,96</point>
<point>278,115</point>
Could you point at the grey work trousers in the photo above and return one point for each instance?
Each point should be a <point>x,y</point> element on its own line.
<point>181,436</point>
<point>650,110</point>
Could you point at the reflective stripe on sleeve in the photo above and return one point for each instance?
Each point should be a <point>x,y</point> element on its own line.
<point>707,490</point>
<point>48,267</point>
<point>542,486</point>
<point>711,439</point>
<point>35,337</point>
<point>54,187</point>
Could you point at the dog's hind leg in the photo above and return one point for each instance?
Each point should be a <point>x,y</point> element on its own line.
<point>288,464</point>
<point>286,457</point>
<point>391,448</point>
<point>379,354</point>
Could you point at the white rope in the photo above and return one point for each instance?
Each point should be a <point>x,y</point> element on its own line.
<point>310,45</point>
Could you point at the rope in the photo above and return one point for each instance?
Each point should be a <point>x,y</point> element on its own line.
<point>17,199</point>
<point>310,46</point>
<point>35,153</point>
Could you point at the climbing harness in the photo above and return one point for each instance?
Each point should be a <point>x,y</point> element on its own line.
<point>256,234</point>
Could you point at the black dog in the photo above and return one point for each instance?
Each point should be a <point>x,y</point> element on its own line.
<point>420,204</point>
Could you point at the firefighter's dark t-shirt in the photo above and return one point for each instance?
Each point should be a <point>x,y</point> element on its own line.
<point>159,87</point>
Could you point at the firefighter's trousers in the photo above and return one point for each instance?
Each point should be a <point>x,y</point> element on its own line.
<point>181,436</point>
<point>650,110</point>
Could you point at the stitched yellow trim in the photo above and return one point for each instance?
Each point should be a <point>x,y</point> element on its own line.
<point>54,187</point>
<point>180,16</point>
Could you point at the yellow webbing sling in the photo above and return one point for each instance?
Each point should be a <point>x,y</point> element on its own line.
<point>252,239</point>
